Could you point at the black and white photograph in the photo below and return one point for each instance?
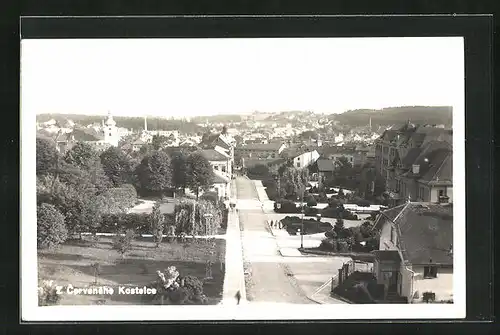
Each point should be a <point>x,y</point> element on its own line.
<point>243,178</point>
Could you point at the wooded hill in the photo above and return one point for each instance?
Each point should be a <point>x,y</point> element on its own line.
<point>136,123</point>
<point>396,115</point>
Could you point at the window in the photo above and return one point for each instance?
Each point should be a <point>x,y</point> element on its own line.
<point>392,234</point>
<point>223,169</point>
<point>430,271</point>
<point>109,134</point>
<point>216,167</point>
<point>298,164</point>
<point>441,193</point>
<point>109,128</point>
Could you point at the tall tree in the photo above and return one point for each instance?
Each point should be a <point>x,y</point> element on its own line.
<point>199,173</point>
<point>86,158</point>
<point>158,141</point>
<point>46,156</point>
<point>154,173</point>
<point>179,169</point>
<point>117,166</point>
<point>82,155</point>
<point>51,230</point>
<point>156,222</point>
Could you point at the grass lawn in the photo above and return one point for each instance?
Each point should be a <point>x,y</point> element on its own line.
<point>71,264</point>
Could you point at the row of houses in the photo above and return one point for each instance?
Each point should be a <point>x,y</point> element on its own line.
<point>416,162</point>
<point>415,256</point>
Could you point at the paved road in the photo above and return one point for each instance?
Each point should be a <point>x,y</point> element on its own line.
<point>270,282</point>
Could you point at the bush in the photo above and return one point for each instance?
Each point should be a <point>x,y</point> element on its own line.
<point>47,293</point>
<point>339,226</point>
<point>51,230</point>
<point>311,226</point>
<point>139,222</point>
<point>342,246</point>
<point>322,197</point>
<point>272,193</point>
<point>332,234</point>
<point>287,206</point>
<point>310,211</point>
<point>312,203</point>
<point>123,243</point>
<point>259,170</point>
<point>213,197</point>
<point>328,244</point>
<point>363,203</point>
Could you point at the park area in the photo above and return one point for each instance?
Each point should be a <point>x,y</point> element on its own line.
<point>74,263</point>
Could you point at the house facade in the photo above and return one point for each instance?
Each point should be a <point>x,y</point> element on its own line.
<point>222,166</point>
<point>415,256</point>
<point>416,162</point>
<point>304,160</point>
<point>326,167</point>
<point>261,150</point>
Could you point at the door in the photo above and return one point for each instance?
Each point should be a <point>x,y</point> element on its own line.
<point>393,282</point>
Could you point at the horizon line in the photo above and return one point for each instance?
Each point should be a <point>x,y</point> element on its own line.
<point>245,113</point>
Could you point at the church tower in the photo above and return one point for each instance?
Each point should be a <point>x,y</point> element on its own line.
<point>145,123</point>
<point>110,131</point>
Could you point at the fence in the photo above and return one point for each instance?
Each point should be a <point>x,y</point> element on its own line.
<point>347,269</point>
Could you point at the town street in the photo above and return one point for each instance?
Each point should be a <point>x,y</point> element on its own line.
<point>269,276</point>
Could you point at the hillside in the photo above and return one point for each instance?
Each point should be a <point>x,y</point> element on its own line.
<point>396,115</point>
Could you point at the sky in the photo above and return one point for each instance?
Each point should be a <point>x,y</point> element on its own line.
<point>195,77</point>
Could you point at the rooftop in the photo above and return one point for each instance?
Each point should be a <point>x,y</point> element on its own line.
<point>425,232</point>
<point>213,155</point>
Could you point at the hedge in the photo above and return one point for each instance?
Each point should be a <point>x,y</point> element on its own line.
<point>287,206</point>
<point>311,226</point>
<point>333,212</point>
<point>139,222</point>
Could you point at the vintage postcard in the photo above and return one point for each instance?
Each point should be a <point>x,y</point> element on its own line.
<point>243,178</point>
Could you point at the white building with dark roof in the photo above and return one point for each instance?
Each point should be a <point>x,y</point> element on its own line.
<point>415,256</point>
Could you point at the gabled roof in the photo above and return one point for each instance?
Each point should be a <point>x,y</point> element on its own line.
<point>84,135</point>
<point>435,162</point>
<point>325,165</point>
<point>213,155</point>
<point>410,157</point>
<point>425,232</point>
<point>442,169</point>
<point>387,215</point>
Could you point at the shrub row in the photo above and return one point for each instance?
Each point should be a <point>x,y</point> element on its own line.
<point>139,222</point>
<point>293,223</point>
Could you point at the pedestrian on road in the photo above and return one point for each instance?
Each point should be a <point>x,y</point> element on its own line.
<point>238,297</point>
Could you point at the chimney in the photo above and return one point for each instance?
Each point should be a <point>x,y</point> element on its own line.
<point>416,169</point>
